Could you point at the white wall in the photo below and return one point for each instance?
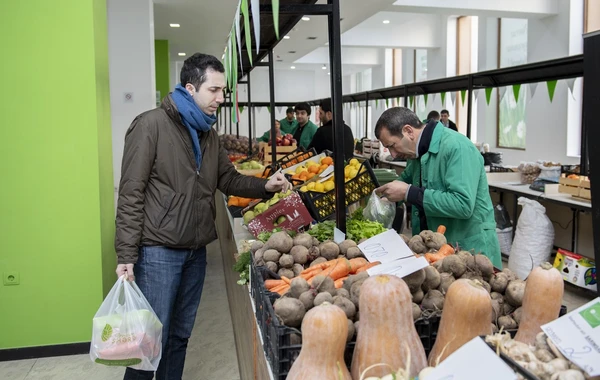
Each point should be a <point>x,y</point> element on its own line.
<point>131,68</point>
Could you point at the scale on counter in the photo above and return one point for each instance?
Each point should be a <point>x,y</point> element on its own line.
<point>540,184</point>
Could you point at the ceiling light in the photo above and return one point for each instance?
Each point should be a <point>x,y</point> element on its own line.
<point>286,37</point>
<point>386,21</point>
<point>183,54</point>
<point>174,25</point>
<point>324,67</point>
<point>292,67</point>
<point>328,73</point>
<point>305,18</point>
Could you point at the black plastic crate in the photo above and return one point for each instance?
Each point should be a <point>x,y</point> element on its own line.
<point>322,205</point>
<point>286,161</point>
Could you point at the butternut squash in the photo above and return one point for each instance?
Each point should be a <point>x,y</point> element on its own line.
<point>324,334</point>
<point>543,296</point>
<point>386,329</point>
<point>467,314</point>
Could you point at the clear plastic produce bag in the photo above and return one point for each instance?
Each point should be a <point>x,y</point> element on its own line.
<point>380,210</point>
<point>126,331</point>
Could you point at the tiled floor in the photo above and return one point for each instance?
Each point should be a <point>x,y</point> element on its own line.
<point>211,352</point>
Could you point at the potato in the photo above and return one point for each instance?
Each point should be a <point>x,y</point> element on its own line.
<point>297,269</point>
<point>416,311</point>
<point>507,322</point>
<point>323,284</point>
<point>329,250</point>
<point>454,265</point>
<point>298,286</point>
<point>346,305</point>
<point>486,286</point>
<point>341,292</point>
<point>433,300</point>
<point>304,240</point>
<point>514,292</point>
<point>415,280</point>
<point>286,261</point>
<point>507,308</point>
<point>308,299</point>
<point>280,241</point>
<point>472,276</point>
<point>273,267</point>
<point>318,260</point>
<point>345,245</point>
<point>284,272</point>
<point>446,279</point>
<point>315,241</point>
<point>323,297</point>
<point>271,255</point>
<point>498,297</point>
<point>484,265</point>
<point>498,282</point>
<point>417,245</point>
<point>290,310</point>
<point>497,310</point>
<point>417,297</point>
<point>299,254</point>
<point>351,331</point>
<point>405,238</point>
<point>256,245</point>
<point>517,314</point>
<point>432,279</point>
<point>511,275</point>
<point>354,252</point>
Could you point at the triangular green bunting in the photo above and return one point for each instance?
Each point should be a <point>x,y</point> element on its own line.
<point>516,88</point>
<point>488,95</point>
<point>376,103</point>
<point>411,99</point>
<point>398,101</point>
<point>387,103</point>
<point>227,64</point>
<point>463,93</point>
<point>247,29</point>
<point>269,109</point>
<point>275,6</point>
<point>241,108</point>
<point>551,87</point>
<point>443,99</point>
<point>425,97</point>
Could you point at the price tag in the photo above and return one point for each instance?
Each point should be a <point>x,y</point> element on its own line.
<point>401,267</point>
<point>338,236</point>
<point>386,247</point>
<point>327,171</point>
<point>577,336</point>
<point>461,366</point>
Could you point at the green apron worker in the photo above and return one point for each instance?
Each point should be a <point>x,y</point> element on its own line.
<point>266,137</point>
<point>289,122</point>
<point>306,129</point>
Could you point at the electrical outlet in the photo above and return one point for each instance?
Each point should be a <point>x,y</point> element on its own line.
<point>11,278</point>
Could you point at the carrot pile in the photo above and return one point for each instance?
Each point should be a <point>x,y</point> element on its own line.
<point>338,269</point>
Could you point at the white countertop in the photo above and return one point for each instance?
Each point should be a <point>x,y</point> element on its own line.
<point>524,189</point>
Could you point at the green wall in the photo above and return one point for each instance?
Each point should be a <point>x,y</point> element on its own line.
<point>56,198</point>
<point>161,64</point>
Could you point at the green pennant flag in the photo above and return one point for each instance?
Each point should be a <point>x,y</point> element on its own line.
<point>275,5</point>
<point>425,97</point>
<point>411,99</point>
<point>516,89</point>
<point>218,111</point>
<point>247,29</point>
<point>551,87</point>
<point>269,109</point>
<point>488,95</point>
<point>387,103</point>
<point>443,98</point>
<point>241,108</point>
<point>398,101</point>
<point>234,58</point>
<point>376,103</point>
<point>463,93</point>
<point>227,64</point>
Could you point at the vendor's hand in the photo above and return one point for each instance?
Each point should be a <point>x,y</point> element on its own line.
<point>278,183</point>
<point>125,269</point>
<point>394,191</point>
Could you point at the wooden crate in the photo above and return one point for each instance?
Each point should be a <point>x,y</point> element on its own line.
<point>572,190</point>
<point>569,181</point>
<point>282,151</point>
<point>585,193</point>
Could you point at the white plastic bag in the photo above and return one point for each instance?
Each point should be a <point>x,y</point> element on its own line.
<point>380,210</point>
<point>534,239</point>
<point>126,331</point>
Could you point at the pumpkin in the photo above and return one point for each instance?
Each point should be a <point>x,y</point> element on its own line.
<point>324,333</point>
<point>387,333</point>
<point>542,300</point>
<point>467,314</point>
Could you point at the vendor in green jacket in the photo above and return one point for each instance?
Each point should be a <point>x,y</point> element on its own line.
<point>266,137</point>
<point>306,129</point>
<point>444,180</point>
<point>289,122</point>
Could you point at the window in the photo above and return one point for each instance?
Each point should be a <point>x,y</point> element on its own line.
<point>592,16</point>
<point>466,63</point>
<point>357,122</point>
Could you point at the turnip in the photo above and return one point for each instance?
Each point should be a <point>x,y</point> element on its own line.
<point>341,292</point>
<point>318,260</point>
<point>498,282</point>
<point>507,323</point>
<point>286,261</point>
<point>454,265</point>
<point>256,245</point>
<point>329,250</point>
<point>417,245</point>
<point>284,272</point>
<point>271,255</point>
<point>351,331</point>
<point>300,254</point>
<point>280,241</point>
<point>297,269</point>
<point>345,245</point>
<point>323,284</point>
<point>290,310</point>
<point>298,286</point>
<point>323,297</point>
<point>346,305</point>
<point>308,299</point>
<point>415,280</point>
<point>433,300</point>
<point>272,266</point>
<point>417,297</point>
<point>432,279</point>
<point>304,240</point>
<point>514,292</point>
<point>446,280</point>
<point>416,311</point>
<point>354,252</point>
<point>484,265</point>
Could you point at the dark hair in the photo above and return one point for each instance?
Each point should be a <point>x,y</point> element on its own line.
<point>433,115</point>
<point>326,105</point>
<point>395,118</point>
<point>446,112</point>
<point>195,67</point>
<point>303,107</point>
<point>289,110</point>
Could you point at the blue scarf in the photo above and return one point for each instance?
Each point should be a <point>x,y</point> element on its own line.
<point>193,118</point>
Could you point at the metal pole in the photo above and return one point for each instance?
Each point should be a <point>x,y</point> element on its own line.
<point>272,107</point>
<point>335,60</point>
<point>249,118</point>
<point>405,97</point>
<point>469,105</point>
<point>367,116</point>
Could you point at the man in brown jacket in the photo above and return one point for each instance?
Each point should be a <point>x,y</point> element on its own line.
<point>172,166</point>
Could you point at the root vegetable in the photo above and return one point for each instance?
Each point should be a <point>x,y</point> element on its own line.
<point>507,308</point>
<point>273,267</point>
<point>315,241</point>
<point>286,261</point>
<point>484,265</point>
<point>465,256</point>
<point>284,272</point>
<point>432,279</point>
<point>405,238</point>
<point>341,292</point>
<point>544,355</point>
<point>297,269</point>
<point>345,245</point>
<point>433,240</point>
<point>317,261</point>
<point>498,297</point>
<point>417,245</point>
<point>295,339</point>
<point>355,291</point>
<point>351,331</point>
<point>433,300</point>
<point>256,245</point>
<point>323,297</point>
<point>510,274</point>
<point>259,254</point>
<point>329,250</point>
<point>290,310</point>
<point>517,314</point>
<point>346,305</point>
<point>271,255</point>
<point>446,280</point>
<point>559,364</point>
<point>353,278</point>
<point>304,240</point>
<point>415,280</point>
<point>570,374</point>
<point>260,262</point>
<point>416,311</point>
<point>486,286</point>
<point>472,276</point>
<point>454,265</point>
<point>515,292</point>
<point>323,284</point>
<point>308,299</point>
<point>299,253</point>
<point>417,297</point>
<point>298,286</point>
<point>494,328</point>
<point>280,241</point>
<point>496,310</point>
<point>353,253</point>
<point>507,323</point>
<point>314,254</point>
<point>498,282</point>
<point>438,265</point>
<point>540,341</point>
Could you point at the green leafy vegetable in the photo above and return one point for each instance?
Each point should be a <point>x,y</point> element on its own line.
<point>106,332</point>
<point>356,229</point>
<point>242,266</point>
<point>265,235</point>
<point>119,362</point>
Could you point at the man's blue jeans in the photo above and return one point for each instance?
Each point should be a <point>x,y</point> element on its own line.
<point>171,280</point>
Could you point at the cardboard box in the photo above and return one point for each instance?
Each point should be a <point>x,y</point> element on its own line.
<point>576,269</point>
<point>568,190</point>
<point>291,211</point>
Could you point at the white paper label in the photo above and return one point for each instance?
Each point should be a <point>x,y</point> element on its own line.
<point>473,361</point>
<point>577,336</point>
<point>338,236</point>
<point>327,171</point>
<point>401,268</point>
<point>386,247</point>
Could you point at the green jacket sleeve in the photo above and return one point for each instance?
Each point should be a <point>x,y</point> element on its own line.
<point>307,135</point>
<point>407,174</point>
<point>264,137</point>
<point>461,181</point>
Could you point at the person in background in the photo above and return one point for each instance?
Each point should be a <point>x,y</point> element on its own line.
<point>173,163</point>
<point>433,115</point>
<point>289,123</point>
<point>444,181</point>
<point>445,119</point>
<point>323,138</point>
<point>266,137</point>
<point>306,129</point>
